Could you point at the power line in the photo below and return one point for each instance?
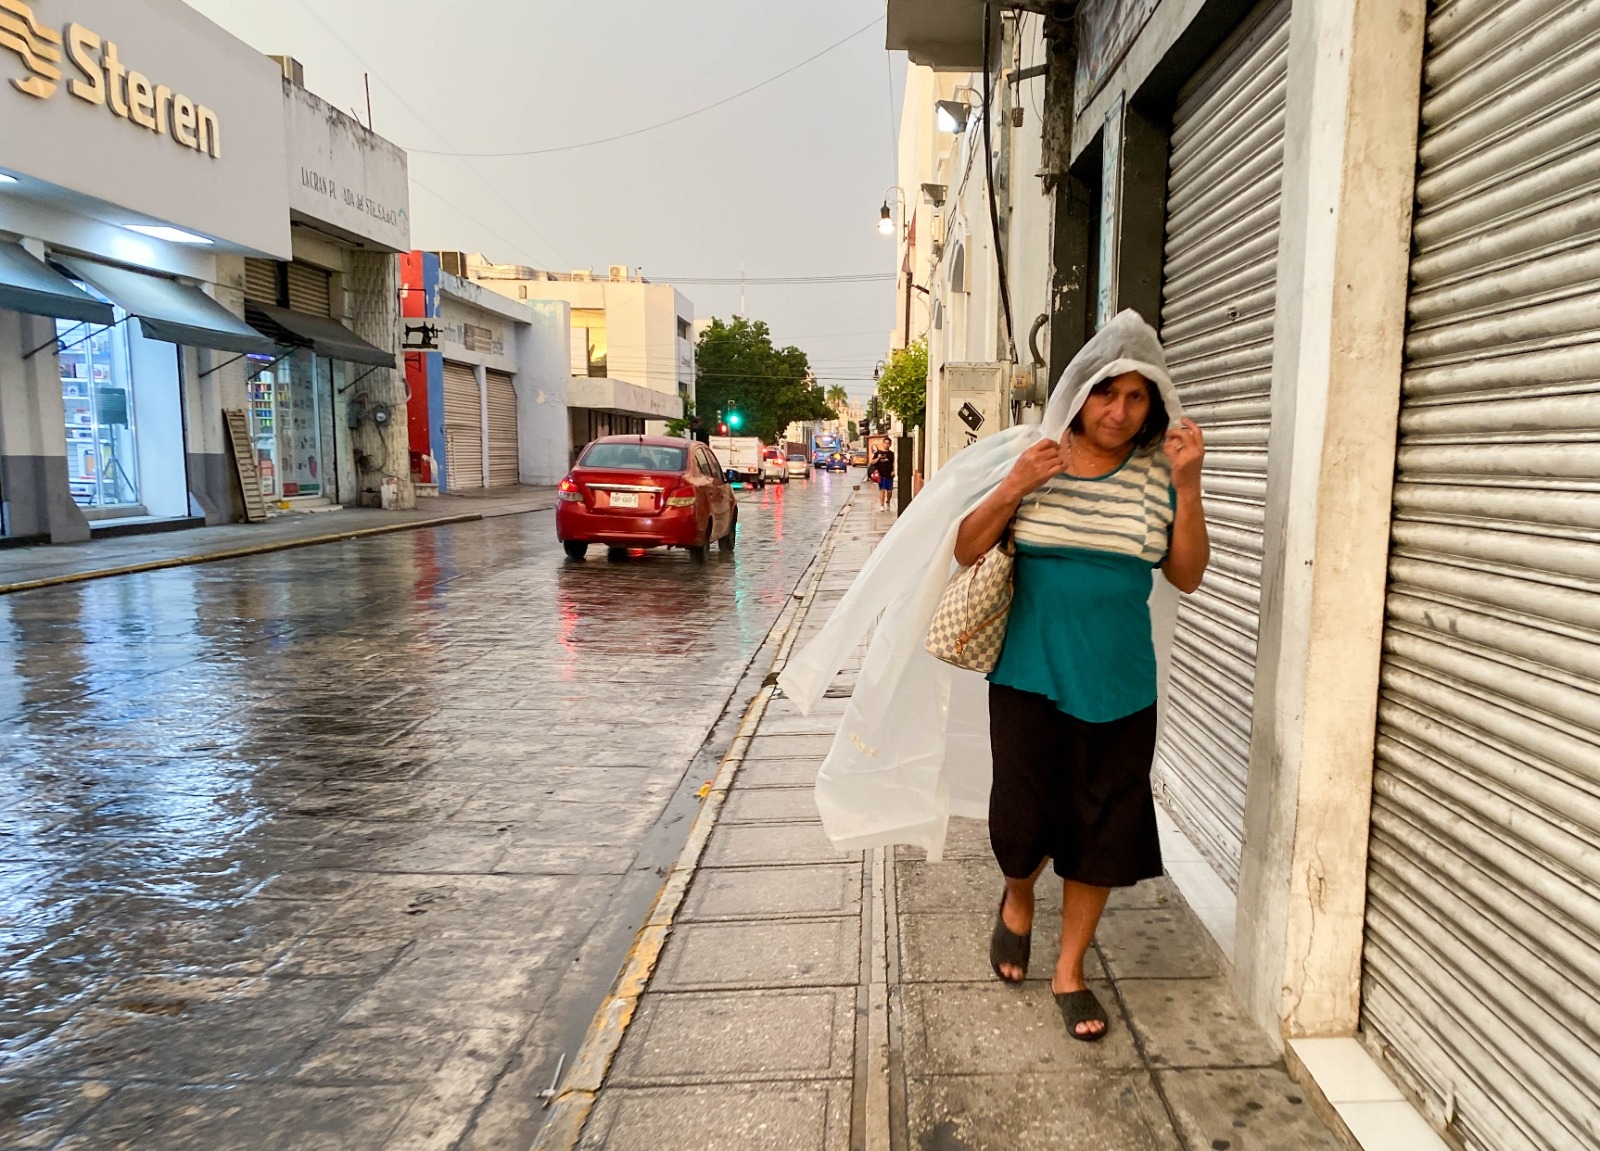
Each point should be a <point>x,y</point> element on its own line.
<point>664,123</point>
<point>841,278</point>
<point>423,120</point>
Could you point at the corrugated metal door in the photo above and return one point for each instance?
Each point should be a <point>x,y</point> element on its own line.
<point>503,470</point>
<point>261,281</point>
<point>1226,171</point>
<point>310,290</point>
<point>463,428</point>
<point>1482,966</point>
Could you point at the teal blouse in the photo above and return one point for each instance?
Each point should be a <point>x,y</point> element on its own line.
<point>1079,628</point>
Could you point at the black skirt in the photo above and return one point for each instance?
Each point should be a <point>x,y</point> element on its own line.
<point>1074,792</point>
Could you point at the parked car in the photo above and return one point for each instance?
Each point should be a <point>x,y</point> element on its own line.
<point>774,468</point>
<point>858,457</point>
<point>799,467</point>
<point>833,462</point>
<point>646,491</point>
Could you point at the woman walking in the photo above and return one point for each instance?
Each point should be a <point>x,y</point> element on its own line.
<point>1072,700</point>
<point>1055,749</point>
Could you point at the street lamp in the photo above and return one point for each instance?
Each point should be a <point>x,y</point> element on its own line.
<point>891,195</point>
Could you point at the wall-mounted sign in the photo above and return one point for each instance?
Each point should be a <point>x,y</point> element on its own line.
<point>103,78</point>
<point>343,176</point>
<point>145,105</point>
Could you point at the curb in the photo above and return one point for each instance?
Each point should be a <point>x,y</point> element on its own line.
<point>569,1111</point>
<point>234,553</point>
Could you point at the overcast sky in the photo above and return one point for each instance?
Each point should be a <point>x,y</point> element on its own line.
<point>786,181</point>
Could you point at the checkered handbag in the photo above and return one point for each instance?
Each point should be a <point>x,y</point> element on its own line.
<point>969,626</point>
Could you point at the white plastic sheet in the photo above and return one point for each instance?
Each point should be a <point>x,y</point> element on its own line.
<point>913,746</point>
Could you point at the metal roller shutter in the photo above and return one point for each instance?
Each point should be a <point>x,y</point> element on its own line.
<point>503,469</point>
<point>310,290</point>
<point>1226,171</point>
<point>1481,981</point>
<point>463,428</point>
<point>261,281</point>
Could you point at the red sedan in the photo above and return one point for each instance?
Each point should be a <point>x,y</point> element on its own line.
<point>646,491</point>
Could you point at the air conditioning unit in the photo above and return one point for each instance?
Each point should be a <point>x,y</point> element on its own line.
<point>977,404</point>
<point>619,273</point>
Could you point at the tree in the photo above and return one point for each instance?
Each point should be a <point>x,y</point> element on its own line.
<point>740,371</point>
<point>685,426</point>
<point>850,431</point>
<point>903,387</point>
<point>837,397</point>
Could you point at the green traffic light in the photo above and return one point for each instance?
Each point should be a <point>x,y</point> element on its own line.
<point>735,419</point>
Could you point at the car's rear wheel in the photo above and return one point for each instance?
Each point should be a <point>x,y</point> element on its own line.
<point>697,551</point>
<point>727,541</point>
<point>575,549</point>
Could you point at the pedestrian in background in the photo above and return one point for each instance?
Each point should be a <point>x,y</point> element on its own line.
<point>882,470</point>
<point>1072,700</point>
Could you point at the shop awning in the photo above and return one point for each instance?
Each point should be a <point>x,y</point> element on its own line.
<point>168,310</point>
<point>32,286</point>
<point>324,336</point>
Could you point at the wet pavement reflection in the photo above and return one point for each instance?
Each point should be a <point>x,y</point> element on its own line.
<point>301,851</point>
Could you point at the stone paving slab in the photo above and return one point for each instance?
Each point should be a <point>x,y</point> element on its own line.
<point>788,747</point>
<point>780,773</point>
<point>770,805</point>
<point>992,1028</point>
<point>774,893</point>
<point>746,845</point>
<point>745,1036</point>
<point>722,1117</point>
<point>1254,1109</point>
<point>1156,943</point>
<point>953,947</point>
<point>1194,1023</point>
<point>1061,1110</point>
<point>797,953</point>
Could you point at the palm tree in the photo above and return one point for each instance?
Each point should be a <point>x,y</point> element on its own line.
<point>837,397</point>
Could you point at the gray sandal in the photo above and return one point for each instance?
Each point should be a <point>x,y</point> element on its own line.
<point>1079,1007</point>
<point>1007,947</point>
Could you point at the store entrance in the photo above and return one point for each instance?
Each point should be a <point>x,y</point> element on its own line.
<point>97,395</point>
<point>291,418</point>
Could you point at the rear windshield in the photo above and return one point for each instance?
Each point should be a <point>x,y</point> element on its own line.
<point>633,457</point>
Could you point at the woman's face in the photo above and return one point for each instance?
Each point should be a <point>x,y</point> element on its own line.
<point>1115,411</point>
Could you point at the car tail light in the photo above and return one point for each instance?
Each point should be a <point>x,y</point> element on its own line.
<point>569,490</point>
<point>681,497</point>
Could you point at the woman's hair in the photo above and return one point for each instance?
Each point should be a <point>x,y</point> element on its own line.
<point>1155,423</point>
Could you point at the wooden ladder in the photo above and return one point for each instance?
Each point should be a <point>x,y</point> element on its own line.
<point>244,463</point>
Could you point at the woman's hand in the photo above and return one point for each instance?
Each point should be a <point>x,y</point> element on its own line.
<point>1035,468</point>
<point>1185,446</point>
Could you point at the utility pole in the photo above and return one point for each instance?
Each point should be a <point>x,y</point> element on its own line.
<point>741,290</point>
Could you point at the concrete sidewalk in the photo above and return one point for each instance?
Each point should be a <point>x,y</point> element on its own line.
<point>43,565</point>
<point>816,1001</point>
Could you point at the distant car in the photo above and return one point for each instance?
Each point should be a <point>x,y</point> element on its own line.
<point>799,467</point>
<point>858,457</point>
<point>774,468</point>
<point>643,492</point>
<point>833,462</point>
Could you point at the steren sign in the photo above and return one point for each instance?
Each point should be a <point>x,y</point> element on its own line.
<point>106,80</point>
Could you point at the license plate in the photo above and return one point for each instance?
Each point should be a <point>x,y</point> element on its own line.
<point>624,499</point>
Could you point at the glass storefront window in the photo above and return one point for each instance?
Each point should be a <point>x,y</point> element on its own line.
<point>97,393</point>
<point>291,407</point>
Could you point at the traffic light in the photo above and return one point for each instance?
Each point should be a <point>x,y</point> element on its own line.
<point>734,420</point>
<point>722,429</point>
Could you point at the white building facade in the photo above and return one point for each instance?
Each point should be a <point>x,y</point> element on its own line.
<point>121,263</point>
<point>632,344</point>
<point>1365,231</point>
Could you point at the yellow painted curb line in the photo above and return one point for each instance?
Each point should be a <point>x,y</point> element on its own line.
<point>570,1109</point>
<point>234,553</point>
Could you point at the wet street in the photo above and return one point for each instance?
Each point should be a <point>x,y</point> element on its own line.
<point>340,847</point>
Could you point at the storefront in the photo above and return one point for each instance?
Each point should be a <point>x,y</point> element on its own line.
<point>121,338</point>
<point>488,382</point>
